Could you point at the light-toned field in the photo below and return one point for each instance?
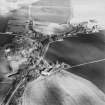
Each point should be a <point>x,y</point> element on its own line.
<point>62,88</point>
<point>43,12</point>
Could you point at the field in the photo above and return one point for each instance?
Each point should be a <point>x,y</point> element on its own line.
<point>43,12</point>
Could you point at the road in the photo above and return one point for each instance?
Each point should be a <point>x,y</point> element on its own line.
<point>82,49</point>
<point>73,51</point>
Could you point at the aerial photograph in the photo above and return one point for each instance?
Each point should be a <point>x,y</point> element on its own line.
<point>52,52</point>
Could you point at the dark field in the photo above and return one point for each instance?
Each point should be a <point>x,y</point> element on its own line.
<point>73,51</point>
<point>77,50</point>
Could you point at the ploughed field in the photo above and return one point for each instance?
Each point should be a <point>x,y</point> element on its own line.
<point>75,50</point>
